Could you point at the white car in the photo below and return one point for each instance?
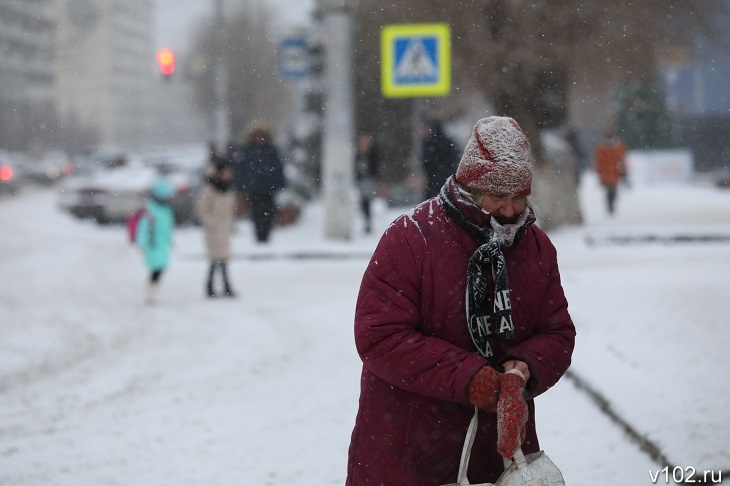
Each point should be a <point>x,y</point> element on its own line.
<point>111,195</point>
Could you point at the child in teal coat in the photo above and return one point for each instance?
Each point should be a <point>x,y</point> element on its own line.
<point>154,234</point>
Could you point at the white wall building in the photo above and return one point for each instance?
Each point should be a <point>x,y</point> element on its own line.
<point>27,30</point>
<point>106,75</point>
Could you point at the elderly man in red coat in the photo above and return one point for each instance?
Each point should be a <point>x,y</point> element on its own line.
<point>461,291</point>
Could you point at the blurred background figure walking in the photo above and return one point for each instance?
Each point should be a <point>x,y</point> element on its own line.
<point>215,208</point>
<point>610,165</point>
<point>154,234</point>
<point>440,156</point>
<point>260,175</point>
<point>367,175</point>
<point>573,139</point>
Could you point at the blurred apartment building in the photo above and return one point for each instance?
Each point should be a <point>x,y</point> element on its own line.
<point>91,59</point>
<point>105,67</point>
<point>27,40</point>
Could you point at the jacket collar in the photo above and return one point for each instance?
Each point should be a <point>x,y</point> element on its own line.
<point>476,214</point>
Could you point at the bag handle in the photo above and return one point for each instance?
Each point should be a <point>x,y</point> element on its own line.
<point>519,458</point>
<point>471,432</point>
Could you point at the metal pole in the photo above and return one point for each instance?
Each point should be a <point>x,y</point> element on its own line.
<point>416,124</point>
<point>338,151</point>
<point>220,81</point>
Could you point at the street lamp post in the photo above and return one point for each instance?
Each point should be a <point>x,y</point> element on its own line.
<point>338,119</point>
<point>220,81</point>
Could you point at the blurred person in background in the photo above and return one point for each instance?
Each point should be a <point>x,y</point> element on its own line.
<point>366,175</point>
<point>610,165</point>
<point>439,156</point>
<point>260,174</point>
<point>154,234</point>
<point>215,208</point>
<point>573,139</point>
<point>461,306</point>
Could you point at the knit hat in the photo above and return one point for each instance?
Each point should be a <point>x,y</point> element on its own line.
<point>497,158</point>
<point>162,190</point>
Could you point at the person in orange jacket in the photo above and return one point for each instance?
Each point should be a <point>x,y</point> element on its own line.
<point>610,164</point>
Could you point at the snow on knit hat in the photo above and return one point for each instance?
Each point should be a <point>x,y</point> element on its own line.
<point>497,158</point>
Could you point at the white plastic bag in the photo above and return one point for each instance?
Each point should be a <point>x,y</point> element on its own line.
<point>532,470</point>
<point>535,469</point>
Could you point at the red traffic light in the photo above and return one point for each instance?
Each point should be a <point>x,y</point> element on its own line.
<point>166,61</point>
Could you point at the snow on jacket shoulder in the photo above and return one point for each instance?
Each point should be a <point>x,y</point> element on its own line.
<point>418,358</point>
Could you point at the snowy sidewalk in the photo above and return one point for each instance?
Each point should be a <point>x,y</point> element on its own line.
<point>96,388</point>
<point>646,290</point>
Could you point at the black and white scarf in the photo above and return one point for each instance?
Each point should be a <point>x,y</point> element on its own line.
<point>484,324</point>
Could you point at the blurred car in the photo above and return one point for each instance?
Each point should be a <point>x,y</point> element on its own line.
<point>722,178</point>
<point>12,172</point>
<point>8,179</point>
<point>110,195</point>
<point>185,178</point>
<point>291,200</point>
<point>107,195</point>
<point>50,168</point>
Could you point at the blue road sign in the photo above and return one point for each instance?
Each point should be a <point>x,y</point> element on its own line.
<point>415,60</point>
<point>293,58</point>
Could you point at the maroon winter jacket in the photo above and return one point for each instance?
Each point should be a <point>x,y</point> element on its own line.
<point>418,358</point>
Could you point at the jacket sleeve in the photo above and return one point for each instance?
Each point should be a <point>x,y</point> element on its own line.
<point>549,350</point>
<point>238,170</point>
<point>143,232</point>
<point>203,205</point>
<point>622,160</point>
<point>170,228</point>
<point>374,162</point>
<point>387,319</point>
<point>278,167</point>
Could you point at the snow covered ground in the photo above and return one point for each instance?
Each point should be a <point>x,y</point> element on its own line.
<point>97,388</point>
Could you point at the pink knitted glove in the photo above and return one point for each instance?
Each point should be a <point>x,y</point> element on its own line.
<point>484,389</point>
<point>511,414</point>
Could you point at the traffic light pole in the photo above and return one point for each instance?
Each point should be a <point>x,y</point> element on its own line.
<point>338,120</point>
<point>220,81</point>
<point>416,127</point>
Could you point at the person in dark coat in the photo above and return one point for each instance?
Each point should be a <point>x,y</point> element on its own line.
<point>440,156</point>
<point>261,175</point>
<point>366,175</point>
<point>461,306</point>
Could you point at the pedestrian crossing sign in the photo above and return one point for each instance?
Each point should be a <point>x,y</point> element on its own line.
<point>415,60</point>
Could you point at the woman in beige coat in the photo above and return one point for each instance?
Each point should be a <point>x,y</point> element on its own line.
<point>215,209</point>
